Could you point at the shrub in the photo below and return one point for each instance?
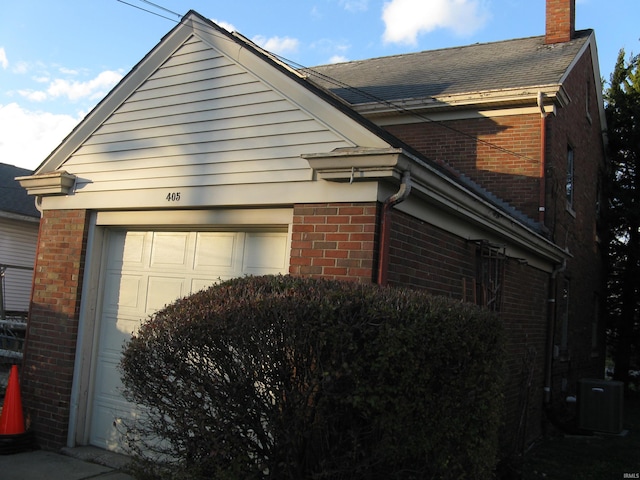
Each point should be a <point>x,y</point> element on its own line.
<point>292,378</point>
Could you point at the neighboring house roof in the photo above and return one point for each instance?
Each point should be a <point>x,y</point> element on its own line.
<point>509,64</point>
<point>13,198</point>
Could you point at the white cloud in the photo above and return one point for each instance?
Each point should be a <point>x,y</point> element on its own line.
<point>226,25</point>
<point>355,5</point>
<point>3,58</point>
<point>277,45</point>
<point>68,71</point>
<point>33,95</point>
<point>29,136</point>
<point>20,68</point>
<point>333,49</point>
<point>406,19</point>
<point>315,12</point>
<point>338,59</point>
<point>94,89</point>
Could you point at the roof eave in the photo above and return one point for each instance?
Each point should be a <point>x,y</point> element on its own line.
<point>350,165</point>
<point>554,96</point>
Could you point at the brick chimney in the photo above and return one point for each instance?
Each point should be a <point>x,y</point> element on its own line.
<point>561,21</point>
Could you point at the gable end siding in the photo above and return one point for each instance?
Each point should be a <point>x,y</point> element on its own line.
<point>17,249</point>
<point>200,120</point>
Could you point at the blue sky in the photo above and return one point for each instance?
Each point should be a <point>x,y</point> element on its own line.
<point>59,59</point>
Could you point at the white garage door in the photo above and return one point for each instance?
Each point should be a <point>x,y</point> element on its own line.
<point>143,272</point>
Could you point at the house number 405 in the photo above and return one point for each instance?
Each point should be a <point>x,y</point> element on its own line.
<point>173,197</point>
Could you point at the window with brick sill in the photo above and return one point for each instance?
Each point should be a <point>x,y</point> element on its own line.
<point>570,181</point>
<point>489,280</point>
<point>587,101</point>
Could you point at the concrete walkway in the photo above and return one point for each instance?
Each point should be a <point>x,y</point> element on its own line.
<point>71,464</point>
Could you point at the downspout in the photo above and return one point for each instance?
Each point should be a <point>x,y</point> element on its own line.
<point>385,229</point>
<point>551,316</point>
<point>543,158</point>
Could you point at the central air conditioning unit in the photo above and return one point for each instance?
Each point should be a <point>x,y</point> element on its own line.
<point>600,405</point>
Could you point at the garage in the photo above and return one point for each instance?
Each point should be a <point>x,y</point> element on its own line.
<point>142,271</point>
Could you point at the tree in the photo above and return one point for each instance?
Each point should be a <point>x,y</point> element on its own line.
<point>623,117</point>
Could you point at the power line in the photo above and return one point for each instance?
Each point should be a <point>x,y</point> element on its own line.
<point>160,7</point>
<point>151,12</point>
<point>401,109</point>
<point>299,67</point>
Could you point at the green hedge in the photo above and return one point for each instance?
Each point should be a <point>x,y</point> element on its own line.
<point>290,378</point>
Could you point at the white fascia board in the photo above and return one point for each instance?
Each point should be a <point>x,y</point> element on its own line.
<point>553,94</point>
<point>458,114</point>
<point>215,196</point>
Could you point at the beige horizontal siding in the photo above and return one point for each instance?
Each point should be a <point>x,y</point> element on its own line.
<point>200,120</point>
<point>17,248</point>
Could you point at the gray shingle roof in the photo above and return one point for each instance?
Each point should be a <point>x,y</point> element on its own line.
<point>474,68</point>
<point>14,198</point>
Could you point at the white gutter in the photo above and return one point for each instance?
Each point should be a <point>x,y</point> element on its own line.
<point>486,98</point>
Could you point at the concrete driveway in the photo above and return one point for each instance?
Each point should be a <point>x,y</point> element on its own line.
<point>43,465</point>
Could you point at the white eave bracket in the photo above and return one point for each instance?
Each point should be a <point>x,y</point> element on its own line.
<point>47,184</point>
<point>355,164</point>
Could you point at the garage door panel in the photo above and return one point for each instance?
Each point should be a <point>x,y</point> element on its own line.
<point>170,250</point>
<point>265,253</point>
<point>115,331</point>
<point>217,251</point>
<point>198,284</point>
<point>127,247</point>
<point>143,272</point>
<point>122,293</point>
<point>109,423</point>
<point>108,383</point>
<point>163,290</point>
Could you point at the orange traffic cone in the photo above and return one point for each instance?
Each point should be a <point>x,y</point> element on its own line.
<point>11,419</point>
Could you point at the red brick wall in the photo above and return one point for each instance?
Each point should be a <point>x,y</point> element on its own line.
<point>575,229</point>
<point>500,153</point>
<point>334,240</point>
<point>424,256</point>
<point>525,315</point>
<point>515,178</point>
<point>427,257</point>
<point>53,324</point>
